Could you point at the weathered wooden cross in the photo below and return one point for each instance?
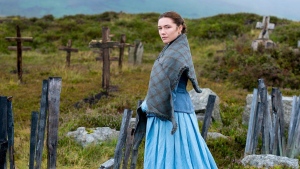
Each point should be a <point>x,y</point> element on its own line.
<point>99,52</point>
<point>265,25</point>
<point>19,48</point>
<point>68,49</point>
<point>104,45</point>
<point>121,53</point>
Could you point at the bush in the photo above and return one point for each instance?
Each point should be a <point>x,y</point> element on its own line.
<point>243,67</point>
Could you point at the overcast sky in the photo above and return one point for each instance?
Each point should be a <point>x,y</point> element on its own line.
<point>288,9</point>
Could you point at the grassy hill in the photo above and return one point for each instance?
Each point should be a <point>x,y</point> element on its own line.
<point>231,75</point>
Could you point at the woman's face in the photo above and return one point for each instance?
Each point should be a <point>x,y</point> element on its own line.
<point>168,30</point>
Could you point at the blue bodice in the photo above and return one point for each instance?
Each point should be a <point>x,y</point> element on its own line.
<point>181,98</point>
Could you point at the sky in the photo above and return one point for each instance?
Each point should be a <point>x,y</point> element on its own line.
<point>288,9</point>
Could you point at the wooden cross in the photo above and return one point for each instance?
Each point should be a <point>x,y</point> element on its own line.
<point>19,48</point>
<point>121,53</point>
<point>122,47</point>
<point>68,49</point>
<point>265,25</point>
<point>104,45</point>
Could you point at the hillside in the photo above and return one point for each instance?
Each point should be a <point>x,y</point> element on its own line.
<point>231,76</point>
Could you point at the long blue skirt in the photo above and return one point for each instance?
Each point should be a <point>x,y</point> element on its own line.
<point>186,149</point>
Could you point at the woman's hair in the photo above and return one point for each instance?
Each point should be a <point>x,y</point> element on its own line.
<point>178,20</point>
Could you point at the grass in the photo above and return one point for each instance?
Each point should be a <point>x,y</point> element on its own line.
<point>83,79</point>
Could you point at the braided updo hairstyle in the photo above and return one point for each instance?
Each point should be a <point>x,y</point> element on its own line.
<point>178,20</point>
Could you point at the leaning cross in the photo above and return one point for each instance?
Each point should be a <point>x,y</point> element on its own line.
<point>19,49</point>
<point>265,25</point>
<point>104,45</point>
<point>68,49</point>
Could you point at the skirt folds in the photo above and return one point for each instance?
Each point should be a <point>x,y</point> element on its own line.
<point>186,149</point>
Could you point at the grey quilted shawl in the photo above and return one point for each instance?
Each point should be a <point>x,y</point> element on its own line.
<point>174,59</point>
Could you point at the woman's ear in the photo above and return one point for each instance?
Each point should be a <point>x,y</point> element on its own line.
<point>180,29</point>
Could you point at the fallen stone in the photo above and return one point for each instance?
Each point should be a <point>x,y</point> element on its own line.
<point>215,135</point>
<point>96,136</point>
<point>199,101</point>
<point>269,161</point>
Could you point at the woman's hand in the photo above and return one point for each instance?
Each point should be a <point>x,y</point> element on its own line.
<point>144,106</point>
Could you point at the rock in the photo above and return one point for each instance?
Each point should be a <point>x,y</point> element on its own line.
<point>108,164</point>
<point>199,101</point>
<point>269,161</point>
<point>215,135</point>
<point>96,136</point>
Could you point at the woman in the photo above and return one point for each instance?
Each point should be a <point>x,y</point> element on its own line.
<point>167,116</point>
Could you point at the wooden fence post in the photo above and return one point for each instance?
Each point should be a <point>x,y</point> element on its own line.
<point>258,126</point>
<point>10,132</point>
<point>54,90</point>
<point>259,115</point>
<point>125,139</point>
<point>251,125</point>
<point>137,140</point>
<point>34,123</point>
<point>122,138</point>
<point>129,142</point>
<point>3,131</point>
<point>208,113</point>
<point>272,126</point>
<point>262,90</point>
<point>279,139</point>
<point>41,125</point>
<point>293,145</point>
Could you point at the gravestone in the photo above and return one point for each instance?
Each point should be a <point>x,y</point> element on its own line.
<point>263,37</point>
<point>135,53</point>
